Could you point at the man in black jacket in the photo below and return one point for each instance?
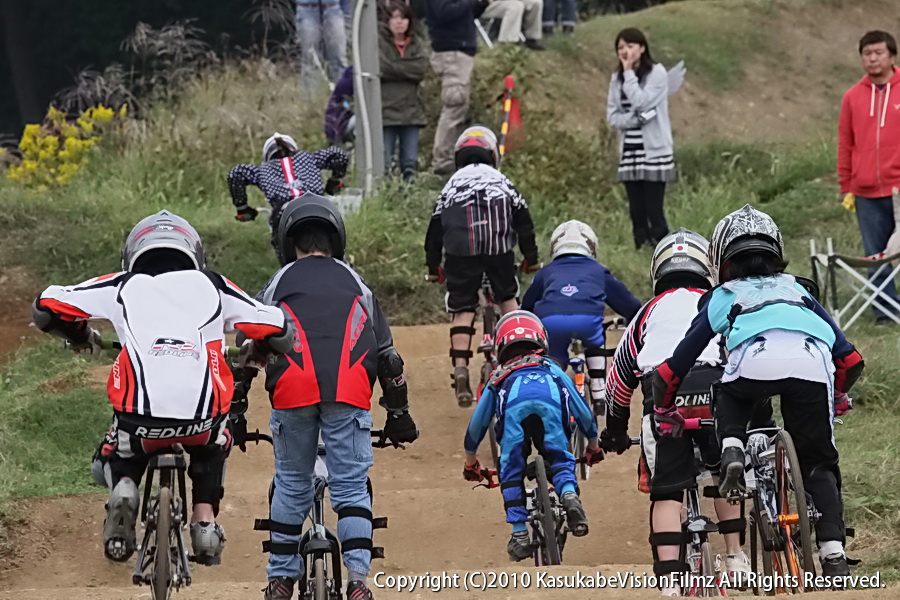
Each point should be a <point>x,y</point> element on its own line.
<point>451,25</point>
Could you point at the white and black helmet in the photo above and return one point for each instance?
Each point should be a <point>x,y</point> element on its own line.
<point>682,252</point>
<point>744,230</point>
<point>271,146</point>
<point>477,144</point>
<point>573,237</point>
<point>163,230</point>
<point>306,208</point>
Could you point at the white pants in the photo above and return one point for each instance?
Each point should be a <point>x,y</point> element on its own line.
<point>516,16</point>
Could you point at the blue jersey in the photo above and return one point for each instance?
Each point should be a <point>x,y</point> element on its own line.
<point>578,285</point>
<point>517,395</point>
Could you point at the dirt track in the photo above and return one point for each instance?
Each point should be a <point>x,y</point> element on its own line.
<point>437,522</point>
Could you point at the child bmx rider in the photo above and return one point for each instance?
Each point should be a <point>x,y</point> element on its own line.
<point>170,376</point>
<point>533,400</point>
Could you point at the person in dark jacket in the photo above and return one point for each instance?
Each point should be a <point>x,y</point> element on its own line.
<point>403,67</point>
<point>451,25</point>
<point>323,386</point>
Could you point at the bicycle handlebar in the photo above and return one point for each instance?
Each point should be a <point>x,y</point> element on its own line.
<point>698,423</point>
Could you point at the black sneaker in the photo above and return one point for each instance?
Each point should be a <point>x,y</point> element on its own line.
<point>568,29</point>
<point>835,565</point>
<point>577,520</point>
<point>534,45</point>
<point>547,30</point>
<point>279,588</point>
<point>357,590</point>
<point>461,385</point>
<point>731,478</point>
<point>519,546</point>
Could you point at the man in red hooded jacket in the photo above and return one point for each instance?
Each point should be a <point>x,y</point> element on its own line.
<point>868,163</point>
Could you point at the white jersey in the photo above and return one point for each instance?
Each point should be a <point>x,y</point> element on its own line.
<point>172,328</point>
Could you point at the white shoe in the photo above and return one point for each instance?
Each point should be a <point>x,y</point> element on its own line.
<point>670,592</point>
<point>737,567</point>
<point>208,541</point>
<point>118,528</point>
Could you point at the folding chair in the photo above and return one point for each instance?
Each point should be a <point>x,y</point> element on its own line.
<point>831,268</point>
<point>483,33</point>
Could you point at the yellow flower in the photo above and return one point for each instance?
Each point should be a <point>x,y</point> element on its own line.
<point>123,112</point>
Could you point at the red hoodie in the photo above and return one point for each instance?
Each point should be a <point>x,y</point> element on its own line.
<point>868,162</point>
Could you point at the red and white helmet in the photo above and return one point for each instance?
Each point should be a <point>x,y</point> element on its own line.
<point>516,330</point>
<point>477,144</point>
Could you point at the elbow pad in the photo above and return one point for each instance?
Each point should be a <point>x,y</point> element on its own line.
<point>50,322</point>
<point>664,383</point>
<point>392,380</point>
<point>848,369</point>
<point>283,341</point>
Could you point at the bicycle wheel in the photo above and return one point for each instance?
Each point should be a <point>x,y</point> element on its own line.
<point>790,497</point>
<point>161,570</point>
<point>495,448</point>
<point>584,471</point>
<point>321,591</point>
<point>708,570</point>
<point>550,549</point>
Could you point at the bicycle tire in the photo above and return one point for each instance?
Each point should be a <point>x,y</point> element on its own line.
<point>788,485</point>
<point>707,569</point>
<point>321,590</point>
<point>550,549</point>
<point>162,559</point>
<point>495,448</point>
<point>584,471</point>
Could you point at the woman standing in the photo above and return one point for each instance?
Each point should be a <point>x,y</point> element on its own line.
<point>403,66</point>
<point>638,107</point>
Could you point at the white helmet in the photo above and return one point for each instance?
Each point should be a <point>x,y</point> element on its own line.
<point>744,230</point>
<point>573,237</point>
<point>477,144</point>
<point>682,252</point>
<point>163,230</point>
<point>271,146</point>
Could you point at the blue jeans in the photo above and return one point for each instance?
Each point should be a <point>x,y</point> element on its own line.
<point>568,12</point>
<point>320,21</point>
<point>562,329</point>
<point>408,137</point>
<point>345,433</point>
<point>876,223</point>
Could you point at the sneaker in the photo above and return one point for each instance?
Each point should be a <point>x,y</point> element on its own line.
<point>568,29</point>
<point>670,592</point>
<point>835,565</point>
<point>732,473</point>
<point>461,385</point>
<point>118,528</point>
<point>578,523</point>
<point>519,546</point>
<point>534,45</point>
<point>279,588</point>
<point>737,566</point>
<point>358,590</point>
<point>208,541</point>
<point>547,30</point>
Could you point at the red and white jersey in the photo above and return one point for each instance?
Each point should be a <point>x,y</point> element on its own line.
<point>172,328</point>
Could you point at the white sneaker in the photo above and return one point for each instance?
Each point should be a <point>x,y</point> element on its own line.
<point>208,541</point>
<point>737,567</point>
<point>671,592</point>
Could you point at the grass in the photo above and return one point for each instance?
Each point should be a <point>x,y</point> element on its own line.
<point>178,156</point>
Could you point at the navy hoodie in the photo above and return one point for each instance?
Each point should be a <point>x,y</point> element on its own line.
<point>451,24</point>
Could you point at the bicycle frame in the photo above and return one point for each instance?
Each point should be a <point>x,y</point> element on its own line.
<point>697,527</point>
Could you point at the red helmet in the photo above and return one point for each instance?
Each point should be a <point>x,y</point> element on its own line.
<point>519,330</point>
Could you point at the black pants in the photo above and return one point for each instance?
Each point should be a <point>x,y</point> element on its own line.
<point>645,204</point>
<point>805,408</point>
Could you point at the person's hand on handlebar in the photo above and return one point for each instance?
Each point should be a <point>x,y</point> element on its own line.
<point>668,420</point>
<point>333,185</point>
<point>90,346</point>
<point>435,274</point>
<point>246,213</point>
<point>472,469</point>
<point>532,265</point>
<point>400,428</point>
<point>843,404</point>
<point>593,454</point>
<point>615,441</point>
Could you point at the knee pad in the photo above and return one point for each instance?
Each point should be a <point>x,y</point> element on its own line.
<point>459,330</point>
<point>207,474</point>
<point>361,543</point>
<point>738,525</point>
<point>269,546</point>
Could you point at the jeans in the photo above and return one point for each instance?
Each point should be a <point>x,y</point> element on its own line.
<point>320,21</point>
<point>345,433</point>
<point>568,12</point>
<point>408,138</point>
<point>876,223</point>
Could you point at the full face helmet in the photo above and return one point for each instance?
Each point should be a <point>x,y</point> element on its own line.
<point>271,146</point>
<point>163,230</point>
<point>573,237</point>
<point>682,252</point>
<point>477,144</point>
<point>744,230</point>
<point>307,208</point>
<point>517,331</point>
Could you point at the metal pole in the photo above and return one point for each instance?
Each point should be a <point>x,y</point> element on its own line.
<point>367,90</point>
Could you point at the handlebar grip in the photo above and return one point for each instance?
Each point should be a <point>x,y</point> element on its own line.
<point>232,351</point>
<point>110,345</point>
<point>635,441</point>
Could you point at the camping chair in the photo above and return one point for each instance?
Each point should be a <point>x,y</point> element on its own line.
<point>490,34</point>
<point>830,268</point>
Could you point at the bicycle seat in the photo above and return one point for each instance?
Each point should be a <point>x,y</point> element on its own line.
<point>168,460</point>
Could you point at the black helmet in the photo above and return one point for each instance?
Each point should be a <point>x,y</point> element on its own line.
<point>163,231</point>
<point>306,208</point>
<point>681,252</point>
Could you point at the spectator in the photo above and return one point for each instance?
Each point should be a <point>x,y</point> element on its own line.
<point>320,21</point>
<point>518,16</point>
<point>566,9</point>
<point>451,25</point>
<point>339,118</point>
<point>638,107</point>
<point>868,163</point>
<point>403,67</point>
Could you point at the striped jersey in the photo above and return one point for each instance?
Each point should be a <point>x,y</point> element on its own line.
<point>172,328</point>
<point>480,211</point>
<point>284,179</point>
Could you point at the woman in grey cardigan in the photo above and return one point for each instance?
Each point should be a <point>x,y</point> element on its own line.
<point>404,63</point>
<point>638,107</point>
